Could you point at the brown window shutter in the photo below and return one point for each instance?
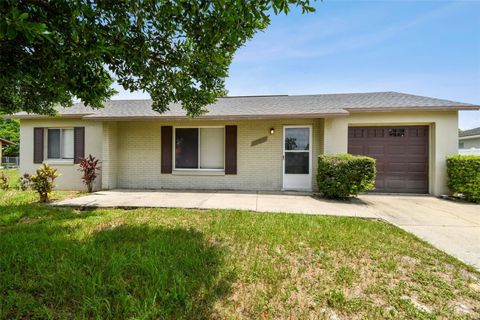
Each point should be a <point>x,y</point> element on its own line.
<point>167,132</point>
<point>230,149</point>
<point>78,144</point>
<point>38,138</point>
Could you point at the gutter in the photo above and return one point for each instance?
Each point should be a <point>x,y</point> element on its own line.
<point>232,117</point>
<point>424,108</point>
<point>182,118</point>
<point>469,137</point>
<point>39,116</point>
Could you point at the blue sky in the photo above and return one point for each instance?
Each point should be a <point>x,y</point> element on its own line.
<point>428,48</point>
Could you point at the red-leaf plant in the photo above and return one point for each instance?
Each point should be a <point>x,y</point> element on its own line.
<point>89,166</point>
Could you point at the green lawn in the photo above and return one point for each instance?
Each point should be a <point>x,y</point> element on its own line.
<point>173,263</point>
<point>12,175</point>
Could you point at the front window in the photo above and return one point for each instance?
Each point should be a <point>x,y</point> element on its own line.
<point>199,148</point>
<point>60,143</point>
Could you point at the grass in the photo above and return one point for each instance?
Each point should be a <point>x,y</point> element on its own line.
<point>12,176</point>
<point>173,263</point>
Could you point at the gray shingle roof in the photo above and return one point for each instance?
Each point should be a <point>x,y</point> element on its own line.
<point>471,132</point>
<point>270,106</point>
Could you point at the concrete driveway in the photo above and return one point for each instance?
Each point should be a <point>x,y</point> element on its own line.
<point>453,227</point>
<point>450,226</point>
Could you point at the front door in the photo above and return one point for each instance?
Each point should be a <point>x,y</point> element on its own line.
<point>297,158</point>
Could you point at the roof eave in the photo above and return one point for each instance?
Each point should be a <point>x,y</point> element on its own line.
<point>230,117</point>
<point>39,116</point>
<point>5,141</point>
<point>424,108</point>
<point>474,136</point>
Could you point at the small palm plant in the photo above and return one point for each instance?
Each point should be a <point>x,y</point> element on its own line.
<point>43,181</point>
<point>89,166</point>
<point>4,181</point>
<point>25,182</point>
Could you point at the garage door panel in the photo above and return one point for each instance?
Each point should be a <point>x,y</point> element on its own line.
<point>417,132</point>
<point>380,167</point>
<point>396,149</point>
<point>375,150</point>
<point>416,149</point>
<point>395,184</point>
<point>418,167</point>
<point>375,132</point>
<point>356,133</point>
<point>418,164</point>
<point>379,184</point>
<point>357,150</point>
<point>417,185</point>
<point>396,168</point>
<point>401,154</point>
<point>417,177</point>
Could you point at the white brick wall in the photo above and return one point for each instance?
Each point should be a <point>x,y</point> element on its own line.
<point>110,155</point>
<point>258,167</point>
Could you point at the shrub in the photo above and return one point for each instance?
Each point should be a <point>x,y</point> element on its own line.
<point>43,180</point>
<point>464,176</point>
<point>344,175</point>
<point>89,166</point>
<point>25,182</point>
<point>4,181</point>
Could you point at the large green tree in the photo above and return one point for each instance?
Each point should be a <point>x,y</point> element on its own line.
<point>10,130</point>
<point>176,50</point>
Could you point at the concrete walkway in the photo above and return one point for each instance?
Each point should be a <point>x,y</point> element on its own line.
<point>450,226</point>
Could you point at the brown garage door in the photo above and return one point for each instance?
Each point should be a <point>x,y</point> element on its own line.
<point>401,154</point>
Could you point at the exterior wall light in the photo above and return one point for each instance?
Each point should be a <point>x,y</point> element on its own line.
<point>272,131</point>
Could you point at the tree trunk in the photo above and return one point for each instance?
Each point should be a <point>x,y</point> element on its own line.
<point>43,197</point>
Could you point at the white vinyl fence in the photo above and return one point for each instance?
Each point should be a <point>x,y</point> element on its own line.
<point>10,162</point>
<point>471,151</point>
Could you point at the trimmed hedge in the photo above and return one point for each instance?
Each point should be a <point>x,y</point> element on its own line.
<point>343,175</point>
<point>464,176</point>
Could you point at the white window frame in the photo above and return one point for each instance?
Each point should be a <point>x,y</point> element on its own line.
<point>174,137</point>
<point>61,144</point>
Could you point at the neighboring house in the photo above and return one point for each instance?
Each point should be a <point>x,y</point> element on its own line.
<point>469,139</point>
<point>248,143</point>
<point>3,142</point>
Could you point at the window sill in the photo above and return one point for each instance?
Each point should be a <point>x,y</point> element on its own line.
<point>59,162</point>
<point>198,172</point>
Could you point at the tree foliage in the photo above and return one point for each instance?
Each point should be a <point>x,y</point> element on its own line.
<point>177,51</point>
<point>10,130</point>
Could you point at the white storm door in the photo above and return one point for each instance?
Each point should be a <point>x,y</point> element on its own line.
<point>297,158</point>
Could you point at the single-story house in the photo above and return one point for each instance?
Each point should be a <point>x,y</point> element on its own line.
<point>3,142</point>
<point>469,139</point>
<point>248,142</point>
